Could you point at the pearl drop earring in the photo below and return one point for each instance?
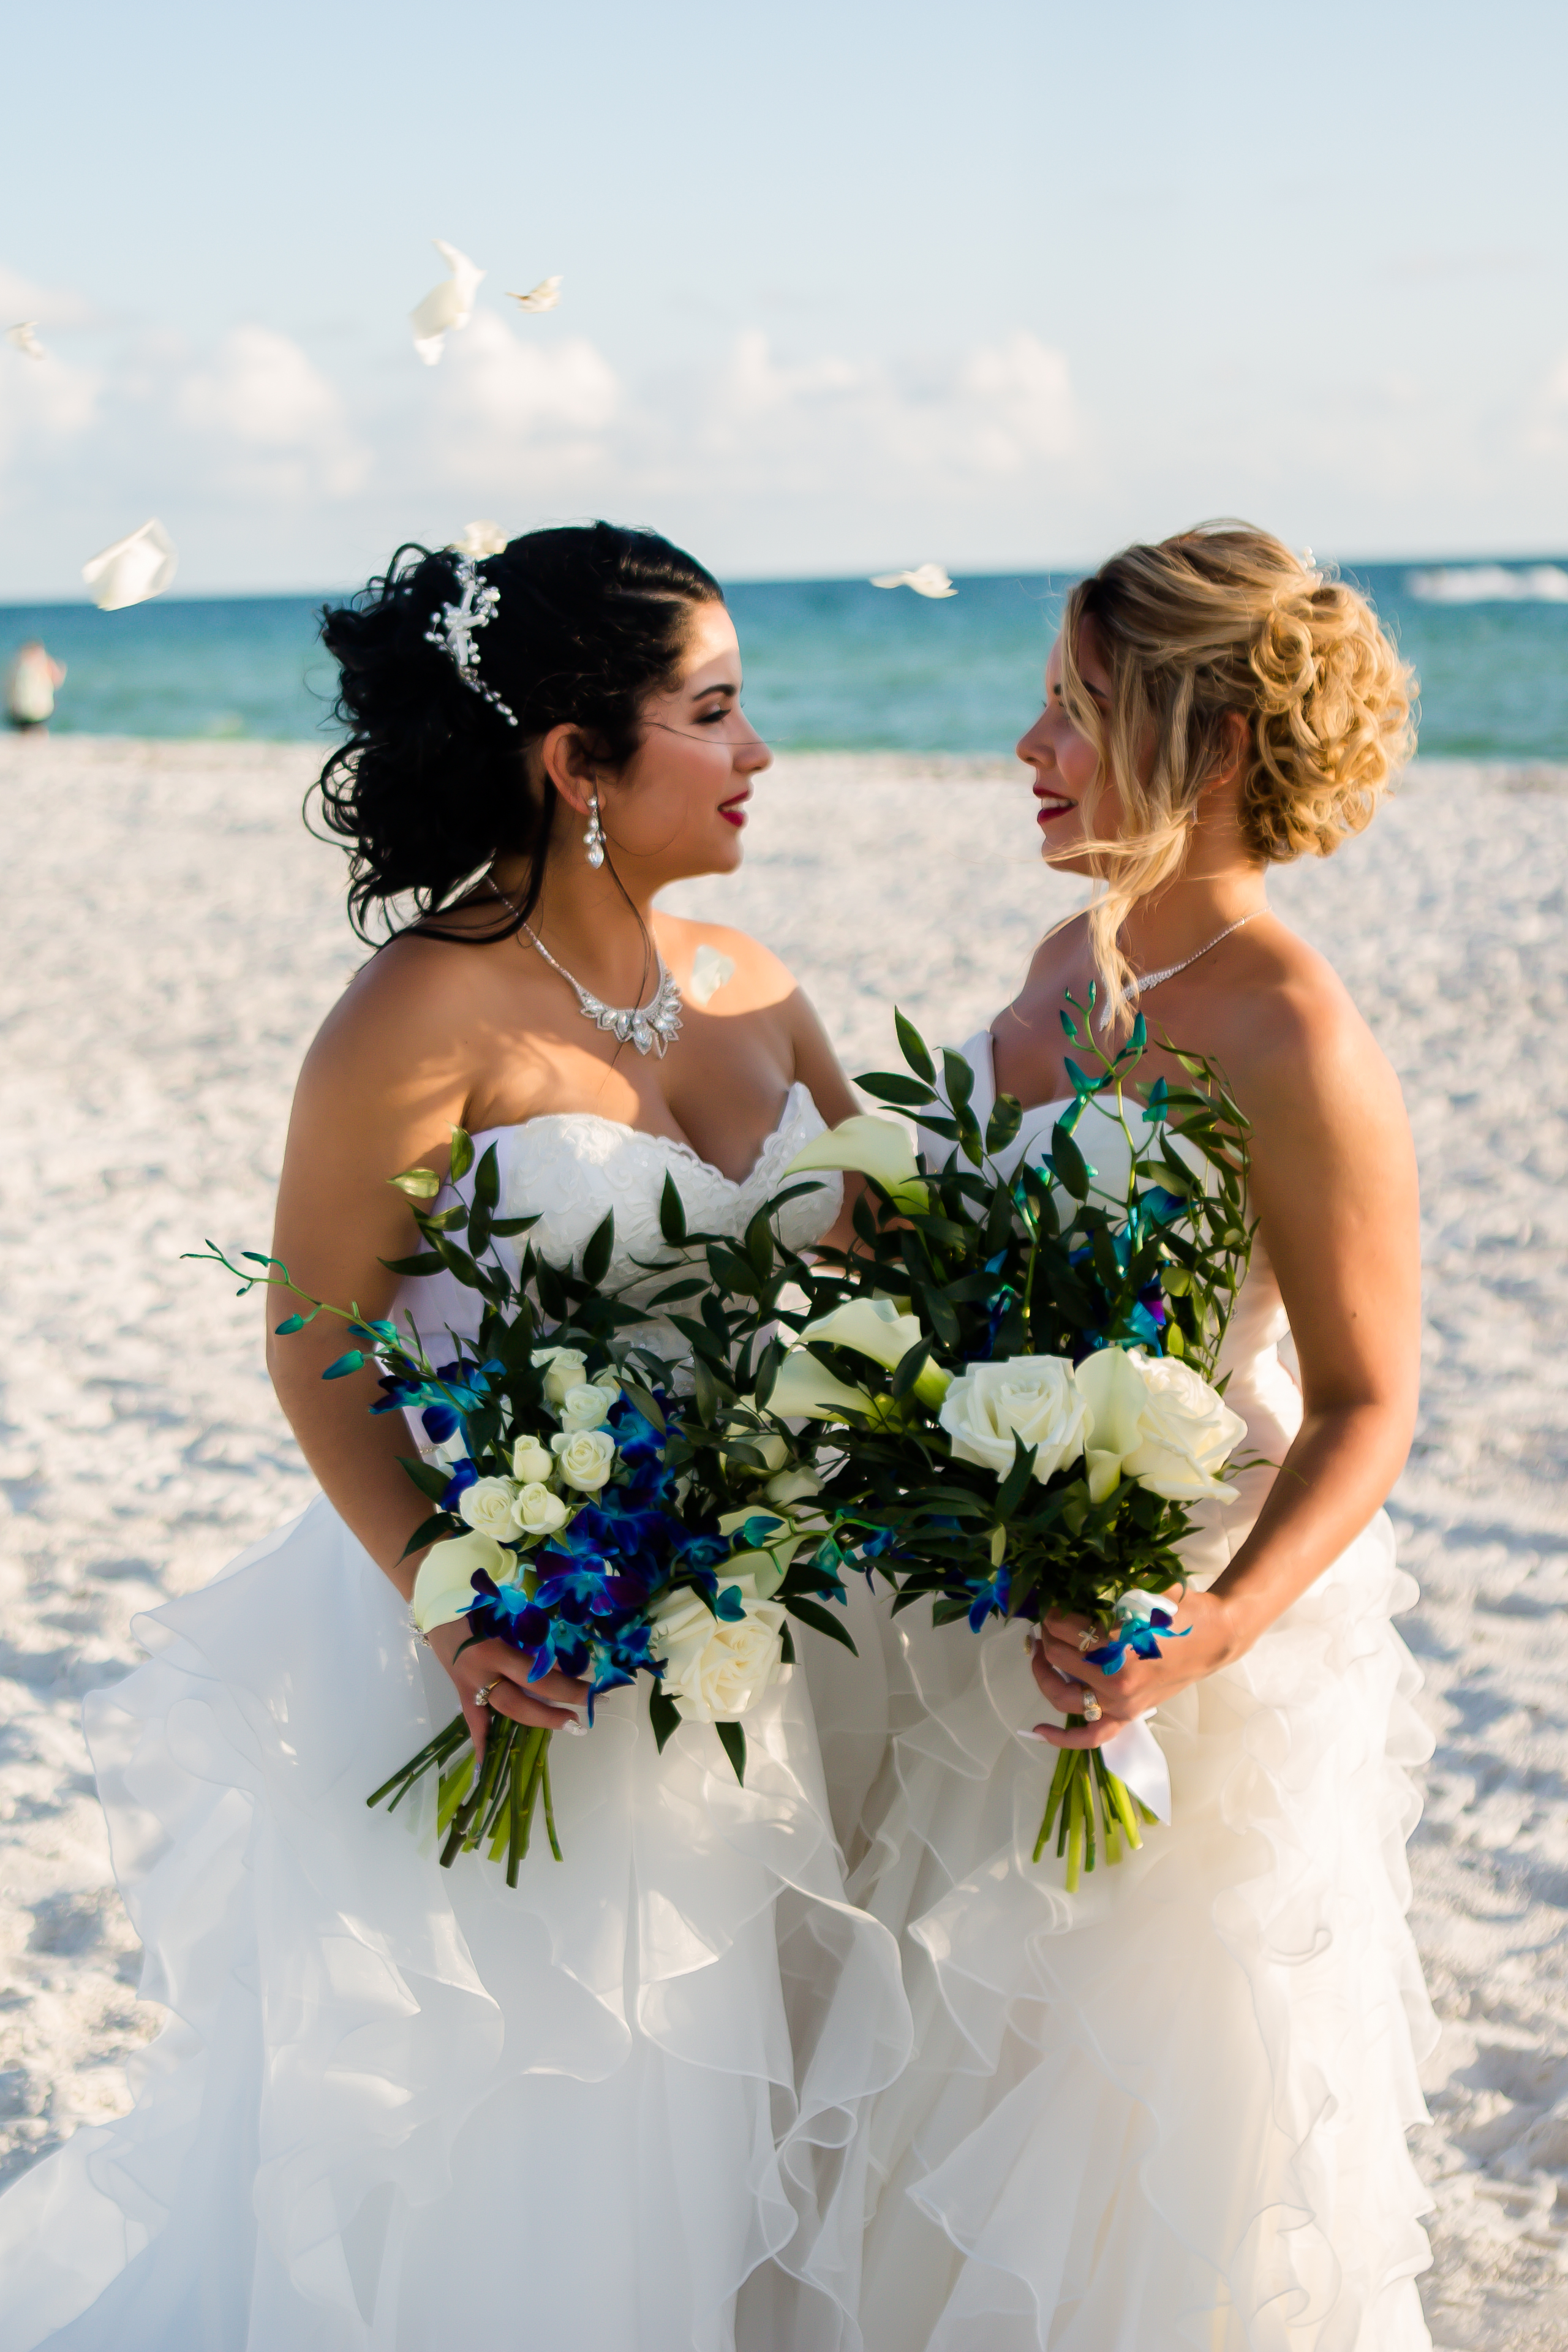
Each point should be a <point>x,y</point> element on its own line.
<point>594,839</point>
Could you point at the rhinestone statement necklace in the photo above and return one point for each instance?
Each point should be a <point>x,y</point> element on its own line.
<point>1148,979</point>
<point>651,1028</point>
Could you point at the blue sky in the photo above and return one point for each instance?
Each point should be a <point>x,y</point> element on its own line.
<point>846,286</point>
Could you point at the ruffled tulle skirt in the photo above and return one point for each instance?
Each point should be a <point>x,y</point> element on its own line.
<point>1168,2111</point>
<point>407,2108</point>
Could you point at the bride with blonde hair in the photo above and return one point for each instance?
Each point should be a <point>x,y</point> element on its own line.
<point>1169,2110</point>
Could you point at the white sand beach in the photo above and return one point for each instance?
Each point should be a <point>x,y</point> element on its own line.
<point>174,938</point>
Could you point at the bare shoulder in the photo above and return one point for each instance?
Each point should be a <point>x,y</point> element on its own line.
<point>758,980</point>
<point>400,1033</point>
<point>1293,1045</point>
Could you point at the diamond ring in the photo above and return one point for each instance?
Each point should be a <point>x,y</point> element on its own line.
<point>482,1695</point>
<point>1089,1706</point>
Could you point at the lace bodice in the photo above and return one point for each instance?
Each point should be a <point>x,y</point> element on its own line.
<point>568,1168</point>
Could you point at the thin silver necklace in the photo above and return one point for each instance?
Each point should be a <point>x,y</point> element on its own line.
<point>1148,979</point>
<point>651,1028</point>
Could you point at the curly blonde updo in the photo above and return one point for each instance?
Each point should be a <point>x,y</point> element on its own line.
<point>1216,622</point>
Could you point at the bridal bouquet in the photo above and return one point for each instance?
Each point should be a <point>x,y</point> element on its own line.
<point>1042,1419</point>
<point>591,1508</point>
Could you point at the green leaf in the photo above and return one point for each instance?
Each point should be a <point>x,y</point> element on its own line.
<point>487,1179</point>
<point>910,1367</point>
<point>428,1476</point>
<point>1068,1163</point>
<point>943,1320</point>
<point>644,1400</point>
<point>892,1086</point>
<point>732,1739</point>
<point>1015,1483</point>
<point>462,1152</point>
<point>821,1620</point>
<point>760,1245</point>
<point>706,1390</point>
<point>504,1228</point>
<point>600,1248</point>
<point>1007,1117</point>
<point>479,1229</point>
<point>768,1372</point>
<point>459,1261</point>
<point>432,1531</point>
<point>417,1183</point>
<point>664,1716</point>
<point>913,1048</point>
<point>426,1263</point>
<point>671,1212</point>
<point>342,1366</point>
<point>960,1080</point>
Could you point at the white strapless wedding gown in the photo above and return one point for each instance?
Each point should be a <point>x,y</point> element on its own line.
<point>1167,2111</point>
<point>398,2108</point>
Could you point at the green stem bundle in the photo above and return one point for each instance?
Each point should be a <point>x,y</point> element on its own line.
<point>1082,1780</point>
<point>499,1805</point>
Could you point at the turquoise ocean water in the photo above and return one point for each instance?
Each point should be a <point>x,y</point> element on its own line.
<point>831,665</point>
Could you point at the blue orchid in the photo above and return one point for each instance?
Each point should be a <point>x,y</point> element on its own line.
<point>1136,1634</point>
<point>993,1596</point>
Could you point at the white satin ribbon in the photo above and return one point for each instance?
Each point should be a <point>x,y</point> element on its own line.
<point>1136,1756</point>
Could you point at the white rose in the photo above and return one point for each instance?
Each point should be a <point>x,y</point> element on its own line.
<point>1029,1397</point>
<point>587,1406</point>
<point>486,1506</point>
<point>715,1670</point>
<point>531,1465</point>
<point>1156,1419</point>
<point>584,1457</point>
<point>537,1511</point>
<point>564,1368</point>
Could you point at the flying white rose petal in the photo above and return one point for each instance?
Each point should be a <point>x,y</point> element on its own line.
<point>709,971</point>
<point>543,296</point>
<point>23,337</point>
<point>446,306</point>
<point>480,538</point>
<point>131,570</point>
<point>926,580</point>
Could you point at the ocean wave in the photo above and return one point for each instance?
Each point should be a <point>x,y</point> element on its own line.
<point>1489,584</point>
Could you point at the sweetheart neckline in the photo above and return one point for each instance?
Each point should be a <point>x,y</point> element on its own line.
<point>646,1135</point>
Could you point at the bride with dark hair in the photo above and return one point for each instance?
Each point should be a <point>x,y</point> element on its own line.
<point>396,2106</point>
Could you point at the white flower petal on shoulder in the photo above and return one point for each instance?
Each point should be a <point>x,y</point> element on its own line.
<point>709,971</point>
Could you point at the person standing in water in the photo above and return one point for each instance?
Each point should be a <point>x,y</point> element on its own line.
<point>30,684</point>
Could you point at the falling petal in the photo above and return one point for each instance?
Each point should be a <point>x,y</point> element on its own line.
<point>131,570</point>
<point>480,538</point>
<point>926,580</point>
<point>23,337</point>
<point>446,306</point>
<point>709,971</point>
<point>543,296</point>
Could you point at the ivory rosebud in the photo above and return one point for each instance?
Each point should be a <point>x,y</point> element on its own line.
<point>531,1465</point>
<point>537,1511</point>
<point>564,1368</point>
<point>584,1457</point>
<point>806,1390</point>
<point>875,1147</point>
<point>1031,1398</point>
<point>486,1506</point>
<point>715,1668</point>
<point>876,1328</point>
<point>444,1587</point>
<point>587,1406</point>
<point>1157,1421</point>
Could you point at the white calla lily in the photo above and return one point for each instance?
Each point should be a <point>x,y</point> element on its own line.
<point>876,1328</point>
<point>874,1147</point>
<point>446,306</point>
<point>806,1390</point>
<point>444,1587</point>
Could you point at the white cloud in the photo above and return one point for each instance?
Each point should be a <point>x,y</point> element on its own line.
<point>279,424</point>
<point>506,402</point>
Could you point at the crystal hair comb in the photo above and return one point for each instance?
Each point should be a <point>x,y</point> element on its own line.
<point>454,626</point>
